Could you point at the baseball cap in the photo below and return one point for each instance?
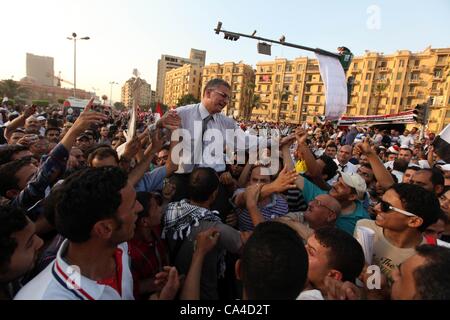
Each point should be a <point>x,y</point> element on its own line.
<point>40,118</point>
<point>356,182</point>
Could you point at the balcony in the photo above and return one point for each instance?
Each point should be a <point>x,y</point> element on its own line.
<point>438,78</point>
<point>384,69</point>
<point>440,63</point>
<point>435,92</point>
<point>381,81</point>
<point>415,68</point>
<point>414,81</point>
<point>411,94</point>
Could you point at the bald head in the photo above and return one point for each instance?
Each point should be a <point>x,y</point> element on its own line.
<point>323,211</point>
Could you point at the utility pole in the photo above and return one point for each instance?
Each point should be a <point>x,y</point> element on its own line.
<point>234,36</point>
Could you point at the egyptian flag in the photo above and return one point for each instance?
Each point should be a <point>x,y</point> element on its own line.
<point>159,110</point>
<point>442,144</point>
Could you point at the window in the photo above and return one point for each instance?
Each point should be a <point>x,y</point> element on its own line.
<point>362,111</point>
<point>308,88</point>
<point>279,68</point>
<point>438,73</point>
<point>401,64</point>
<point>447,115</point>
<point>394,100</point>
<point>396,88</point>
<point>299,78</point>
<point>416,63</point>
<point>318,99</point>
<point>289,68</point>
<point>364,99</point>
<point>355,65</point>
<point>277,78</point>
<point>409,101</point>
<point>300,67</point>
<point>319,89</point>
<point>368,76</point>
<point>306,99</point>
<point>369,65</point>
<point>441,59</point>
<point>309,78</point>
<point>399,76</point>
<point>366,87</point>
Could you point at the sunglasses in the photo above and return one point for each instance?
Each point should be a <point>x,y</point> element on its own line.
<point>386,206</point>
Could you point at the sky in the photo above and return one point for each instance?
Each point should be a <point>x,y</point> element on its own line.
<point>135,33</point>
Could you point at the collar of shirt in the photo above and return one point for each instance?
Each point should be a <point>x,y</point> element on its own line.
<point>204,112</point>
<point>70,277</point>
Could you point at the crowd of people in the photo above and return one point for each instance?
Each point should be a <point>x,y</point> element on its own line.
<point>90,210</point>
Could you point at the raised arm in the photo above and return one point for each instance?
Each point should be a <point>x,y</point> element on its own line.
<point>19,121</point>
<point>379,170</point>
<point>205,242</point>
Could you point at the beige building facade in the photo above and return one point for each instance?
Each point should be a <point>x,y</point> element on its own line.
<point>289,91</point>
<point>241,77</point>
<point>293,91</point>
<point>138,89</point>
<point>386,84</point>
<point>168,62</point>
<point>182,81</point>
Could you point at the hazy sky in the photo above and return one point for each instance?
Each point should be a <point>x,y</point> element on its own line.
<point>134,33</point>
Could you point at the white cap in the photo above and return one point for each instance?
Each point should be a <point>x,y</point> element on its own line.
<point>40,118</point>
<point>355,181</point>
<point>446,167</point>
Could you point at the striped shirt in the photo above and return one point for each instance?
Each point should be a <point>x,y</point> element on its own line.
<point>276,208</point>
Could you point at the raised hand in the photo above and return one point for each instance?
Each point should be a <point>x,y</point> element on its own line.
<point>88,117</point>
<point>29,111</point>
<point>169,282</point>
<point>338,290</point>
<point>226,179</point>
<point>252,194</point>
<point>364,147</point>
<point>207,240</point>
<point>171,120</point>
<point>285,180</point>
<point>132,147</point>
<point>301,135</point>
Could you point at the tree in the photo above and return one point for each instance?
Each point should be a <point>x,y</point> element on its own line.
<point>187,99</point>
<point>283,94</point>
<point>379,88</point>
<point>254,103</point>
<point>40,103</point>
<point>12,89</point>
<point>249,90</point>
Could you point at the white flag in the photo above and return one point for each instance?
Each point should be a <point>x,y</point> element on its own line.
<point>333,77</point>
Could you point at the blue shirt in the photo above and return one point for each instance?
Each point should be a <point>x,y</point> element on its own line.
<point>278,207</point>
<point>344,222</point>
<point>52,168</point>
<point>152,181</point>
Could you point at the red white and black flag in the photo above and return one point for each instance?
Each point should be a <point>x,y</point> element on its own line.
<point>442,144</point>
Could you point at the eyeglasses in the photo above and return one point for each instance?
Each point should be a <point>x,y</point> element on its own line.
<point>223,95</point>
<point>386,206</point>
<point>318,203</point>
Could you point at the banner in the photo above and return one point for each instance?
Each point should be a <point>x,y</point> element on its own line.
<point>333,78</point>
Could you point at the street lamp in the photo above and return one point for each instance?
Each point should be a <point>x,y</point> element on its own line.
<point>110,96</point>
<point>74,38</point>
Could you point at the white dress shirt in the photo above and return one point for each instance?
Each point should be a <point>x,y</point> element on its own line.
<point>210,152</point>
